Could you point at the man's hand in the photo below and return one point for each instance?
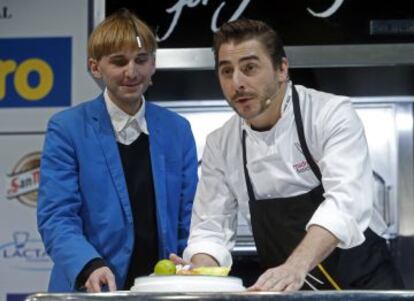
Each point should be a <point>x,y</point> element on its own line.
<point>203,260</point>
<point>282,278</point>
<point>177,259</point>
<point>317,244</point>
<point>197,260</point>
<point>100,277</point>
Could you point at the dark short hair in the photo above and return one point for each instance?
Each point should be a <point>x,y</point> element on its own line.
<point>118,31</point>
<point>247,29</point>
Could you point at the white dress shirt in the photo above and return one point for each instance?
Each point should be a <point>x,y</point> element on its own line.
<point>127,128</point>
<point>277,167</point>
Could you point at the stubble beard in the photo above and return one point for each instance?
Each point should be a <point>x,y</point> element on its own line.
<point>263,106</point>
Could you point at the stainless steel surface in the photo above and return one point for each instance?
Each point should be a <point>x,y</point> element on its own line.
<point>382,135</point>
<point>300,56</point>
<point>185,58</point>
<point>304,295</point>
<point>382,205</point>
<point>404,119</point>
<point>350,55</point>
<point>389,129</point>
<point>221,105</point>
<point>96,13</point>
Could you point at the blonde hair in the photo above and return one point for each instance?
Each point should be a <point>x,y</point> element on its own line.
<point>119,31</point>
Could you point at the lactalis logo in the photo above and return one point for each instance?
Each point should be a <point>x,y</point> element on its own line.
<point>23,182</point>
<point>23,252</point>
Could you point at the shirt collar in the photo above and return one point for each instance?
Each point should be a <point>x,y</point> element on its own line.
<point>287,100</point>
<point>120,120</point>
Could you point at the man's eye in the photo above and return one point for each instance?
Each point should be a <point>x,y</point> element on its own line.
<point>249,68</point>
<point>142,59</point>
<point>119,62</point>
<point>226,71</point>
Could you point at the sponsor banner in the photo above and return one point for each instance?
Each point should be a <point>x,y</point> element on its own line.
<point>24,264</point>
<point>40,74</point>
<point>17,297</point>
<point>40,77</point>
<point>22,251</point>
<point>22,184</point>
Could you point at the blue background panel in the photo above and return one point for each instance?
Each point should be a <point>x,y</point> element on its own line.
<point>56,52</point>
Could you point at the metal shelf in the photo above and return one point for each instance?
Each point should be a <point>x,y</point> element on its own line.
<point>300,56</point>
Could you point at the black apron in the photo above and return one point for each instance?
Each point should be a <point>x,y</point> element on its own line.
<point>278,226</point>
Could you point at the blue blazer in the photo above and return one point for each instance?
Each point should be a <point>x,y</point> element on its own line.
<point>83,205</point>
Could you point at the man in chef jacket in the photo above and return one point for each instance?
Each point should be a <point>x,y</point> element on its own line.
<point>294,161</point>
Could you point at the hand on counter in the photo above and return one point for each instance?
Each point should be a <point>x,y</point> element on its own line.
<point>317,244</point>
<point>99,277</point>
<point>281,278</point>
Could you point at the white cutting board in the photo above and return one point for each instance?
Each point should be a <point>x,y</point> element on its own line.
<point>193,283</point>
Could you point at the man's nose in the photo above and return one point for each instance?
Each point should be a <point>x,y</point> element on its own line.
<point>131,70</point>
<point>238,79</point>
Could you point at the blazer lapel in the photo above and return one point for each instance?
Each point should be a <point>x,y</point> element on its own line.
<point>102,126</point>
<point>158,165</point>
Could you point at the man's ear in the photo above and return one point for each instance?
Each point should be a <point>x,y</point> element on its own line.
<point>94,68</point>
<point>284,70</point>
<point>154,65</point>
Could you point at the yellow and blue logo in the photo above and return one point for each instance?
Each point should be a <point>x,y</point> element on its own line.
<point>35,72</point>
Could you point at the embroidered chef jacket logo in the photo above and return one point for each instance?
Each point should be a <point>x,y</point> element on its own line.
<point>302,165</point>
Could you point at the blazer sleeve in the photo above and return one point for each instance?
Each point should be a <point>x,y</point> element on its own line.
<point>189,184</point>
<point>59,203</point>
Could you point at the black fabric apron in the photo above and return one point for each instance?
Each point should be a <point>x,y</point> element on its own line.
<point>278,226</point>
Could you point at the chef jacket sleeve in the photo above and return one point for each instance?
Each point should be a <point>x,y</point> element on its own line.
<point>59,203</point>
<point>214,215</point>
<point>346,175</point>
<point>188,186</point>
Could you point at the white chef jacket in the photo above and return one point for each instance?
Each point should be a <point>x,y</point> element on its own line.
<point>127,128</point>
<point>278,169</point>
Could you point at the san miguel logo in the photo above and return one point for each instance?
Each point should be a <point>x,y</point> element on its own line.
<point>23,182</point>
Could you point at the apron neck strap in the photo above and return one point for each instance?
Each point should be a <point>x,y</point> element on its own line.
<point>301,135</point>
<point>302,141</point>
<point>246,172</point>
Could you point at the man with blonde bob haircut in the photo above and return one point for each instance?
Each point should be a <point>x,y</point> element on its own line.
<point>118,174</point>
